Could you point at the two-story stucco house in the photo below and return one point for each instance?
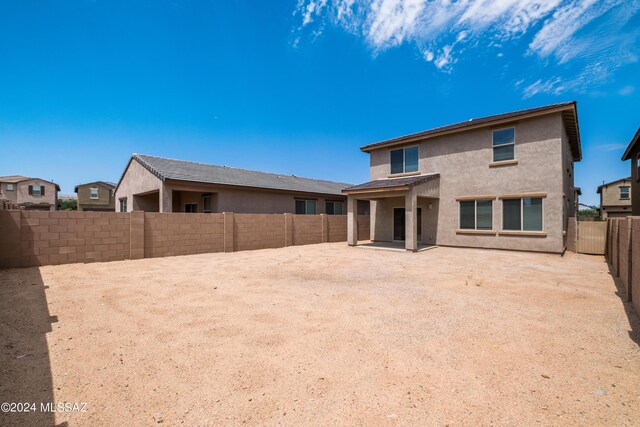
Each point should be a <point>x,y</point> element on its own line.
<point>157,184</point>
<point>615,198</point>
<point>29,193</point>
<point>504,181</point>
<point>633,153</point>
<point>97,196</point>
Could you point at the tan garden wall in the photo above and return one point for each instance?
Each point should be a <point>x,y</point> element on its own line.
<point>623,255</point>
<point>33,238</point>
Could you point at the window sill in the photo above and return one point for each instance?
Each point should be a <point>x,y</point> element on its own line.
<point>522,233</point>
<point>485,232</point>
<point>503,163</point>
<point>399,175</point>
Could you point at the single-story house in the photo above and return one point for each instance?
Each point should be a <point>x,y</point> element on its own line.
<point>504,181</point>
<point>29,193</point>
<point>157,184</point>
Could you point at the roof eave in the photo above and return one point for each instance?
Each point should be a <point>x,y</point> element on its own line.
<point>632,146</point>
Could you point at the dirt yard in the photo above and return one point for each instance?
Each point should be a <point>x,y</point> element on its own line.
<point>322,335</point>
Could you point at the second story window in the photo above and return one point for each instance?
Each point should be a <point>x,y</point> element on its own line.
<point>504,141</point>
<point>94,193</point>
<point>9,187</point>
<point>123,205</point>
<point>624,193</point>
<point>36,190</point>
<point>404,160</point>
<point>305,207</point>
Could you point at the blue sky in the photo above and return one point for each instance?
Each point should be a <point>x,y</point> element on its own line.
<point>298,86</point>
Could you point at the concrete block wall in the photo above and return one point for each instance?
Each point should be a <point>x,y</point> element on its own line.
<point>635,263</point>
<point>623,255</point>
<point>624,267</point>
<point>34,238</point>
<point>171,234</point>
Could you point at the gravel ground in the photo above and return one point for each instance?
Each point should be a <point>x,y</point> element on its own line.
<point>322,334</point>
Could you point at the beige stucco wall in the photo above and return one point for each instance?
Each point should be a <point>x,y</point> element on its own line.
<point>50,193</point>
<point>463,159</point>
<point>105,200</point>
<point>382,220</point>
<point>611,203</point>
<point>136,180</point>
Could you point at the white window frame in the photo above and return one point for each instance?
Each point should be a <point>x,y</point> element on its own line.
<point>628,188</point>
<point>404,160</point>
<point>121,202</point>
<point>522,214</point>
<point>33,190</point>
<point>493,156</point>
<point>475,216</point>
<point>97,196</point>
<point>10,187</point>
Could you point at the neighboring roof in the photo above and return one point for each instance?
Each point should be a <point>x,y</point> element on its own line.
<point>606,184</point>
<point>569,114</point>
<point>633,145</point>
<point>14,179</point>
<point>109,184</point>
<point>180,170</point>
<point>391,183</point>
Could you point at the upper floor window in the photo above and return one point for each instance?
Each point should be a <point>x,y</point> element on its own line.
<point>36,190</point>
<point>523,214</point>
<point>305,207</point>
<point>9,187</point>
<point>504,141</point>
<point>335,208</point>
<point>624,193</point>
<point>404,160</point>
<point>93,193</point>
<point>123,205</point>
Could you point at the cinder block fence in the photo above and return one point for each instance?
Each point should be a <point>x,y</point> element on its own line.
<point>623,255</point>
<point>33,238</point>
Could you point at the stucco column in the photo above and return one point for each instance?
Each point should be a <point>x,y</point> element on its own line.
<point>411,222</point>
<point>166,199</point>
<point>352,221</point>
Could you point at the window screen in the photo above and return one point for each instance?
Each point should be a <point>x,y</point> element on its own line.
<point>411,159</point>
<point>532,214</point>
<point>484,215</point>
<point>397,161</point>
<point>511,214</point>
<point>503,144</point>
<point>467,215</point>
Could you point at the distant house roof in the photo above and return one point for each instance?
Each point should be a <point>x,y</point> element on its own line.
<point>632,146</point>
<point>569,115</point>
<point>109,184</point>
<point>391,183</point>
<point>14,179</point>
<point>606,184</point>
<point>180,170</point>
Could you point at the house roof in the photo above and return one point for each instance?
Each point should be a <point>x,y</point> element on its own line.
<point>180,170</point>
<point>567,109</point>
<point>633,145</point>
<point>14,179</point>
<point>110,184</point>
<point>606,184</point>
<point>391,183</point>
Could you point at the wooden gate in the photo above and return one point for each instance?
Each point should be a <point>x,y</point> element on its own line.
<point>592,237</point>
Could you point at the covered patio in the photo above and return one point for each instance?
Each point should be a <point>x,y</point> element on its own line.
<point>403,209</point>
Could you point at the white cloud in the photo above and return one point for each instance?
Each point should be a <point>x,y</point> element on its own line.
<point>553,29</point>
<point>626,91</point>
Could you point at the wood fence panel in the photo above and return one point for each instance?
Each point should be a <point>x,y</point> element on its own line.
<point>592,237</point>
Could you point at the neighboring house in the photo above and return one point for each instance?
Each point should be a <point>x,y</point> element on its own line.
<point>633,153</point>
<point>29,193</point>
<point>503,181</point>
<point>96,196</point>
<point>615,198</point>
<point>156,184</point>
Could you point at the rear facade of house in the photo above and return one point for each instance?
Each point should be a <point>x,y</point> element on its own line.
<point>29,193</point>
<point>504,181</point>
<point>615,198</point>
<point>156,184</point>
<point>97,196</point>
<point>632,154</point>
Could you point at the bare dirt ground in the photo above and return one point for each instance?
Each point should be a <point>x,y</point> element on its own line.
<point>322,334</point>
